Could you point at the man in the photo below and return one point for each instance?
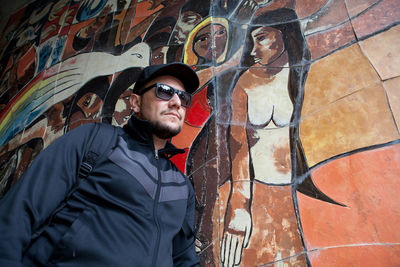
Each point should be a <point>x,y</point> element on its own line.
<point>134,208</point>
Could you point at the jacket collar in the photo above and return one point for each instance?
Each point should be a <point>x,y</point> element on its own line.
<point>141,131</point>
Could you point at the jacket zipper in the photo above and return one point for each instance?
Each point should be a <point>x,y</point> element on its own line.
<point>155,209</point>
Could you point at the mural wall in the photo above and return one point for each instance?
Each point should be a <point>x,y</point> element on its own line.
<point>292,138</point>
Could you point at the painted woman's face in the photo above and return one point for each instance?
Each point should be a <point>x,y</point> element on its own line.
<point>268,44</point>
<point>159,55</point>
<point>210,41</point>
<point>123,109</point>
<point>90,105</point>
<point>186,22</point>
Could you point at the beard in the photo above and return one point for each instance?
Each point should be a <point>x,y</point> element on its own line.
<point>163,131</point>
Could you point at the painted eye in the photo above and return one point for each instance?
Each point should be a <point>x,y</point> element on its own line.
<point>188,19</point>
<point>87,101</point>
<point>202,38</point>
<point>260,38</point>
<point>220,32</point>
<point>137,55</point>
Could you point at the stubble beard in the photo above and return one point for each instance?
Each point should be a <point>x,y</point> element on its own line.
<point>161,130</point>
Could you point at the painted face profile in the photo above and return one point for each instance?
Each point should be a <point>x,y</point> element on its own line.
<point>210,42</point>
<point>123,109</point>
<point>186,22</point>
<point>159,55</point>
<point>90,105</point>
<point>268,45</point>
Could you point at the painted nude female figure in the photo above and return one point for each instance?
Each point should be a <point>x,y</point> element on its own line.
<point>247,162</point>
<point>268,163</point>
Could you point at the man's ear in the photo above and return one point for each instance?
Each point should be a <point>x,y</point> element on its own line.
<point>135,102</point>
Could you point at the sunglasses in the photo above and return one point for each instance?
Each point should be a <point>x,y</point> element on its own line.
<point>166,92</point>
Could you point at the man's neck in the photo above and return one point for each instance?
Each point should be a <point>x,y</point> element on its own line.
<point>158,142</point>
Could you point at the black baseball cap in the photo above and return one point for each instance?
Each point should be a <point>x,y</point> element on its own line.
<point>179,70</point>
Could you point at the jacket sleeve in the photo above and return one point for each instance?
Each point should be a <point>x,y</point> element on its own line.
<point>41,189</point>
<point>184,252</point>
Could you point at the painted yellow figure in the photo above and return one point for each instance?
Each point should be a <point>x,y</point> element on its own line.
<point>208,42</point>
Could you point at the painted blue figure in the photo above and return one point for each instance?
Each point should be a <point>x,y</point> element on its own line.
<point>57,51</point>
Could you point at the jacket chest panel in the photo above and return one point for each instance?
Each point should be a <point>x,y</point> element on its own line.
<point>150,172</point>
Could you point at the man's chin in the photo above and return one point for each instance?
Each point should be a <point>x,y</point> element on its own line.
<point>165,131</point>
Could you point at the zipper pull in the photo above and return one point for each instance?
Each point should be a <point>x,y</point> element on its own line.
<point>156,154</point>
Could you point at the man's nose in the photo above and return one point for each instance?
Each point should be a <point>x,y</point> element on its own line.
<point>175,101</point>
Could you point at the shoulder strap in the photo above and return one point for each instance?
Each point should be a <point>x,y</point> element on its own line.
<point>103,139</point>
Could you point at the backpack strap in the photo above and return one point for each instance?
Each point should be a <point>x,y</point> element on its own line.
<point>102,140</point>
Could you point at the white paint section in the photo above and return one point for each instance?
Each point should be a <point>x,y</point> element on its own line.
<point>266,166</point>
<point>286,225</point>
<point>271,101</point>
<point>100,63</point>
<point>244,189</point>
<point>66,78</point>
<point>270,106</point>
<point>239,220</point>
<point>278,260</point>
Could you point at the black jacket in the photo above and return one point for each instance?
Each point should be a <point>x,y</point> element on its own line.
<point>134,209</point>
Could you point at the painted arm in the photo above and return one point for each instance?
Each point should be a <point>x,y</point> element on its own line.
<point>237,221</point>
<point>128,33</point>
<point>205,75</point>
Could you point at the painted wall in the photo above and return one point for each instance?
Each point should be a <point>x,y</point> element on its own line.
<point>292,138</point>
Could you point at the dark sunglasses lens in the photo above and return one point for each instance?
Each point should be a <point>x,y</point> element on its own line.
<point>185,98</point>
<point>164,92</point>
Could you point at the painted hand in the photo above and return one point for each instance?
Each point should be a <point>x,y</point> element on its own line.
<point>250,3</point>
<point>198,245</point>
<point>237,231</point>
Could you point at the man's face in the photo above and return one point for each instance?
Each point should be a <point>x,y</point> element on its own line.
<point>166,117</point>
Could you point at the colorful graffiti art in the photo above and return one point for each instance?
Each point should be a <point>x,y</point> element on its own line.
<point>292,139</point>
